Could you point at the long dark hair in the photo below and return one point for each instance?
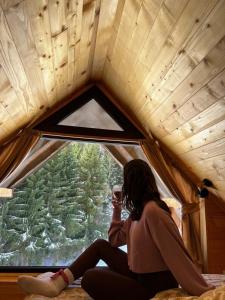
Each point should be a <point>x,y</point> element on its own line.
<point>139,187</point>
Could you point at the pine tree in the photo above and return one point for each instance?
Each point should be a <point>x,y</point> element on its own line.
<point>61,208</point>
<point>94,188</point>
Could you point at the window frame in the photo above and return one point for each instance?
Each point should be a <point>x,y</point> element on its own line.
<point>51,130</point>
<point>41,269</point>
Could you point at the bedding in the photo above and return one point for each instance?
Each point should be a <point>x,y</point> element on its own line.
<point>71,293</point>
<point>179,294</point>
<point>75,292</point>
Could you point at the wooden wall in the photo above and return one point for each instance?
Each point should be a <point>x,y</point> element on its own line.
<point>166,63</point>
<point>9,290</point>
<point>214,237</point>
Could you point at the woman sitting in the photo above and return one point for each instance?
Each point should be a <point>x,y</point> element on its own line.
<point>156,260</point>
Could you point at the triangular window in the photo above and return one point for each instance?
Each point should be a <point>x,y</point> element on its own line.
<point>91,116</point>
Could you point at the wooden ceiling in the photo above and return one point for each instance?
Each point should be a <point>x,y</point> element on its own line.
<point>164,60</point>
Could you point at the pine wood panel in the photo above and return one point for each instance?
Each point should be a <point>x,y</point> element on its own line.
<point>74,15</point>
<point>165,19</point>
<point>13,67</point>
<point>215,226</point>
<point>8,98</point>
<point>59,33</point>
<point>204,137</point>
<point>212,64</point>
<point>9,3</point>
<point>173,49</point>
<point>60,62</point>
<point>207,151</point>
<point>205,99</point>
<point>38,12</point>
<point>219,184</point>
<point>212,168</point>
<point>127,52</point>
<point>106,18</point>
<point>217,174</point>
<point>82,71</point>
<point>93,38</point>
<point>72,75</point>
<point>57,16</point>
<point>19,25</point>
<point>189,51</point>
<point>209,117</point>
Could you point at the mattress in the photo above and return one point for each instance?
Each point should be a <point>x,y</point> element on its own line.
<point>75,292</point>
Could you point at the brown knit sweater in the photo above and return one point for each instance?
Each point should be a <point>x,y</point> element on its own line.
<point>154,244</point>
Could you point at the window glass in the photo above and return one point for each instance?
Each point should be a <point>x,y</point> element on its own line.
<point>59,209</point>
<point>91,115</point>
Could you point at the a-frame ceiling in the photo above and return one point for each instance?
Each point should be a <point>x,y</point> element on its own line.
<point>162,60</point>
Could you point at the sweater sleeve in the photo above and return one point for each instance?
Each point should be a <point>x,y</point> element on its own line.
<point>118,232</point>
<point>166,236</point>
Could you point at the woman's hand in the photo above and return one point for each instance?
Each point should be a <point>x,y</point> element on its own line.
<point>117,207</point>
<point>117,202</point>
<point>117,197</point>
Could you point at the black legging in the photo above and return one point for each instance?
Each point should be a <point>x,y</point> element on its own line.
<point>116,282</point>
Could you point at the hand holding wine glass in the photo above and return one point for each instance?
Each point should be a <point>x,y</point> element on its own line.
<point>117,197</point>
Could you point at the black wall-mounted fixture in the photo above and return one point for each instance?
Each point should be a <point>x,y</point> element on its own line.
<point>203,191</point>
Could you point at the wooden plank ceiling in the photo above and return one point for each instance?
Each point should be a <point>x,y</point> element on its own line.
<point>163,59</point>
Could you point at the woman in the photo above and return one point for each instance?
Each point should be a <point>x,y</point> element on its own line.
<point>157,259</point>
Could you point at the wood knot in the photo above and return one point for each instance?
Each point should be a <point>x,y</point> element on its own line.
<point>63,28</point>
<point>63,65</point>
<point>182,51</point>
<point>97,12</point>
<point>206,61</point>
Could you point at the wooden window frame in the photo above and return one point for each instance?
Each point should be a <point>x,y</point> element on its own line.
<point>51,129</point>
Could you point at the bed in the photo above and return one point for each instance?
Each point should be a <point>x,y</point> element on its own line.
<point>75,292</point>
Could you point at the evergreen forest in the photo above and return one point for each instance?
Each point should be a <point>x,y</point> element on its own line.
<point>60,209</point>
